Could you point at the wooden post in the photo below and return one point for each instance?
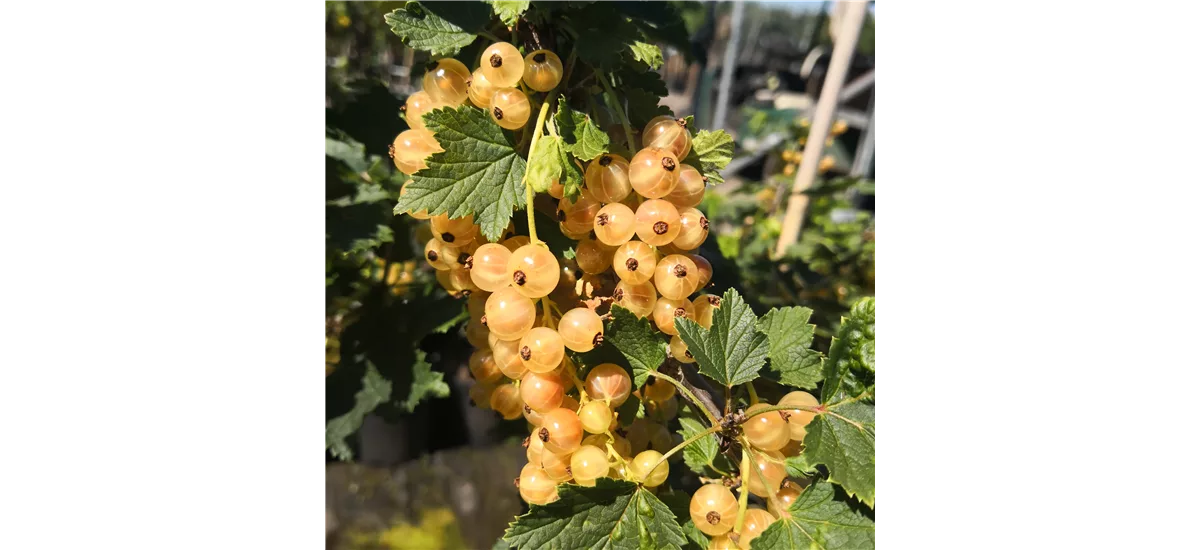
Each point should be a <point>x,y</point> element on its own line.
<point>728,65</point>
<point>843,51</point>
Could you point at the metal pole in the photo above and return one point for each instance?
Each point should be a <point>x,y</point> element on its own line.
<point>843,51</point>
<point>727,65</point>
<point>866,144</point>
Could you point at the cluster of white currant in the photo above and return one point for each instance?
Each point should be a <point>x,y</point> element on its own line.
<point>773,436</point>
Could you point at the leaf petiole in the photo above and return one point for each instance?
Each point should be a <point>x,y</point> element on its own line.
<point>712,420</point>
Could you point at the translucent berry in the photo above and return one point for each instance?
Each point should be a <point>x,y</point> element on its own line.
<point>644,470</point>
<point>506,400</point>
<point>705,269</point>
<point>653,172</point>
<point>480,89</point>
<point>477,333</point>
<point>509,108</point>
<point>787,494</point>
<point>541,350</point>
<point>693,229</point>
<point>513,243</point>
<point>481,394</point>
<point>483,366</point>
<point>579,216</point>
<point>476,304</point>
<point>614,224</point>
<point>767,431</point>
<point>595,417</point>
<point>665,132</point>
<point>679,350</point>
<point>533,270</point>
<point>570,403</point>
<point>713,509</point>
<point>634,262</point>
<point>676,276</point>
<point>662,411</point>
<point>638,299</point>
<point>591,257</point>
<point>557,466</point>
<point>722,542</point>
<point>536,487</point>
<point>460,280</point>
<point>587,464</point>
<point>439,255</point>
<point>581,329</point>
<point>507,356</point>
<point>533,417</point>
<point>501,63</point>
<point>509,315</point>
<point>658,389</point>
<point>756,521</point>
<point>457,231</point>
<point>446,81</point>
<point>657,222</point>
<point>767,471</point>
<point>417,105</point>
<point>607,178</point>
<point>411,148</point>
<point>556,189</point>
<point>561,431</point>
<point>798,419</point>
<point>421,215</point>
<point>543,392</point>
<point>543,70</point>
<point>608,383</point>
<point>533,444</point>
<point>489,267</point>
<point>666,310</point>
<point>704,305</point>
<point>690,189</point>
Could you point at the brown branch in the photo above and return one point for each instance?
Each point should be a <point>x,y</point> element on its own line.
<point>703,392</point>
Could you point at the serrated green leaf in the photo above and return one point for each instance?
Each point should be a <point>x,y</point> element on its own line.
<point>479,172</point>
<point>603,35</point>
<point>734,350</point>
<point>711,151</point>
<point>798,466</point>
<point>614,514</point>
<point>350,152</point>
<point>700,454</point>
<point>572,175</point>
<point>817,521</point>
<point>679,502</point>
<point>632,77</point>
<point>581,137</point>
<point>789,336</point>
<point>421,29</point>
<point>843,439</point>
<point>647,53</point>
<point>375,390</point>
<point>661,21</point>
<point>637,341</point>
<point>643,106</point>
<point>851,354</point>
<point>697,540</point>
<point>545,163</point>
<point>426,383</point>
<point>509,10</point>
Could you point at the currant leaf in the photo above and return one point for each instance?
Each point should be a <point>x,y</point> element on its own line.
<point>545,163</point>
<point>509,10</point>
<point>581,137</point>
<point>426,383</point>
<point>818,521</point>
<point>711,151</point>
<point>375,391</point>
<point>843,439</point>
<point>733,351</point>
<point>850,368</point>
<point>700,454</point>
<point>649,54</point>
<point>789,336</point>
<point>420,28</point>
<point>636,340</point>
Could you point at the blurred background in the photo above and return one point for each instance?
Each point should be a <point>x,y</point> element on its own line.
<point>439,474</point>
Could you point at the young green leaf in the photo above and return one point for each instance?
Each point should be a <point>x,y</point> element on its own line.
<point>798,466</point>
<point>509,10</point>
<point>545,163</point>
<point>614,514</point>
<point>647,53</point>
<point>711,151</point>
<point>375,390</point>
<point>643,106</point>
<point>421,29</point>
<point>816,520</point>
<point>637,341</point>
<point>479,172</point>
<point>603,35</point>
<point>426,383</point>
<point>699,455</point>
<point>581,137</point>
<point>572,175</point>
<point>851,353</point>
<point>732,351</point>
<point>843,439</point>
<point>789,336</point>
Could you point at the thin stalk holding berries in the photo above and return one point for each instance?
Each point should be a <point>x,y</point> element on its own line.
<point>537,133</point>
<point>712,420</point>
<point>743,493</point>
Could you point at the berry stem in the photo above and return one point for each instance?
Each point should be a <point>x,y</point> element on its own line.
<point>764,410</point>
<point>685,443</point>
<point>611,97</point>
<point>772,494</point>
<point>743,492</point>
<point>753,394</point>
<point>537,133</point>
<point>712,420</point>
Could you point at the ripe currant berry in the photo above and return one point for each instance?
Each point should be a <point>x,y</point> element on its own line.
<point>679,350</point>
<point>481,394</point>
<point>690,189</point>
<point>676,276</point>
<point>767,471</point>
<point>587,464</point>
<point>507,357</point>
<point>410,149</point>
<point>638,299</point>
<point>693,229</point>
<point>533,417</point>
<point>477,334</point>
<point>509,314</point>
<point>543,70</point>
<point>480,89</point>
<point>609,383</point>
<point>509,108</point>
<point>561,431</point>
<point>666,310</point>
<point>665,132</point>
<point>506,400</point>
<point>533,443</point>
<point>513,243</point>
<point>657,222</point>
<point>439,254</point>
<point>767,431</point>
<point>798,419</point>
<point>615,224</point>
<point>607,178</point>
<point>501,64</point>
<point>704,305</point>
<point>541,350</point>
<point>556,189</point>
<point>704,267</point>
<point>483,366</point>
<point>653,172</point>
<point>658,389</point>
<point>578,217</point>
<point>533,271</point>
<point>581,329</point>
<point>713,509</point>
<point>536,487</point>
<point>557,466</point>
<point>543,392</point>
<point>756,521</point>
<point>596,417</point>
<point>417,105</point>
<point>489,267</point>
<point>787,494</point>
<point>634,262</point>
<point>644,470</point>
<point>591,257</point>
<point>457,231</point>
<point>446,81</point>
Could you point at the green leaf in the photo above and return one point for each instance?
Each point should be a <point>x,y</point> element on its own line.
<point>843,439</point>
<point>509,10</point>
<point>851,354</point>
<point>643,106</point>
<point>631,77</point>
<point>603,35</point>
<point>581,137</point>
<point>734,350</point>
<point>711,151</point>
<point>817,521</point>
<point>637,341</point>
<point>426,383</point>
<point>660,21</point>
<point>798,466</point>
<point>572,175</point>
<point>350,152</point>
<point>700,454</point>
<point>612,515</point>
<point>647,53</point>
<point>789,336</point>
<point>545,163</point>
<point>479,172</point>
<point>697,540</point>
<point>421,29</point>
<point>375,390</point>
